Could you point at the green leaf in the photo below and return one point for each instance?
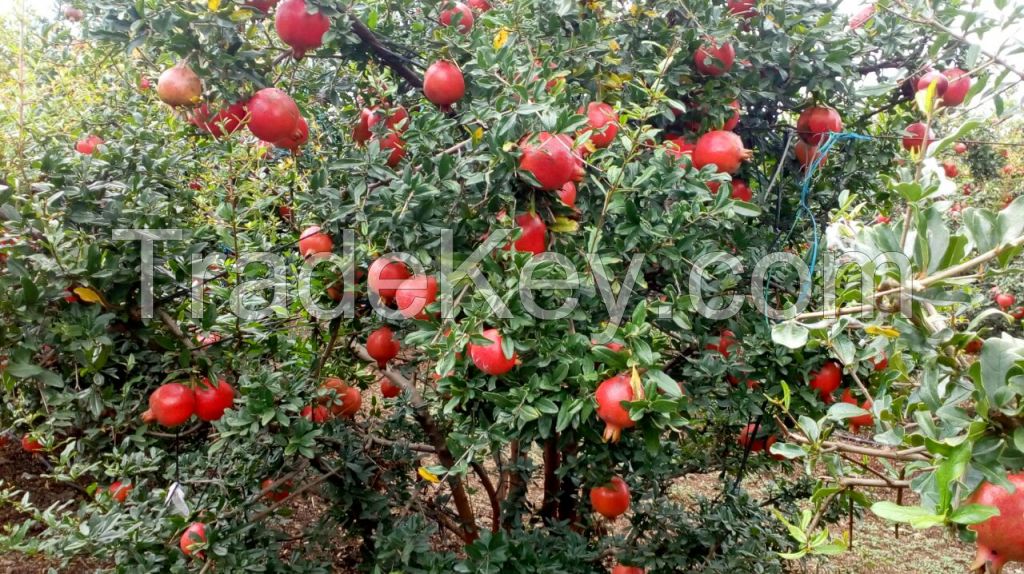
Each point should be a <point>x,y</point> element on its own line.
<point>790,334</point>
<point>843,411</point>
<point>916,516</point>
<point>973,513</point>
<point>788,450</point>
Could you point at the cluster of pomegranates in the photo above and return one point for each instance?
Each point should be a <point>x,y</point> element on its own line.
<point>813,127</point>
<point>342,400</point>
<point>951,86</point>
<point>173,404</point>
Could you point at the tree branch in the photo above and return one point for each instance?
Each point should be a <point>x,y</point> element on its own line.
<point>395,61</point>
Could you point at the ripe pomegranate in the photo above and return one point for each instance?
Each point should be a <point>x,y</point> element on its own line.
<point>73,14</point>
<point>806,154</point>
<point>742,9</point>
<point>621,568</point>
<point>974,346</point>
<point>552,162</point>
<point>959,85</point>
<point>913,142</point>
<point>858,421</point>
<point>388,389</point>
<point>119,491</point>
<point>393,142</point>
<point>382,345</point>
<point>31,445</point>
<point>313,242</point>
<point>348,398</point>
<point>369,117</point>
<point>414,295</point>
<point>534,237</point>
<point>386,275</point>
<point>748,438</point>
<point>273,115</point>
<point>741,191</point>
<point>491,358</point>
<point>193,536</point>
<point>679,147</point>
<point>713,59</point>
<point>734,119</point>
<point>443,84</point>
<point>862,16</point>
<point>277,494</point>
<point>1000,538</point>
<point>933,77</point>
<point>262,5</point>
<point>298,28</point>
<point>815,123</point>
<point>950,168</point>
<point>1005,300</point>
<point>317,414</point>
<point>610,395</point>
<point>960,148</point>
<point>144,84</point>
<point>612,346</point>
<point>179,86</point>
<point>480,5</point>
<point>610,500</point>
<point>296,140</point>
<point>826,380</point>
<point>720,148</point>
<point>725,340</point>
<point>603,123</point>
<point>883,219</point>
<point>171,404</point>
<point>567,194</point>
<point>880,363</point>
<point>88,144</point>
<point>453,9</point>
<point>212,401</point>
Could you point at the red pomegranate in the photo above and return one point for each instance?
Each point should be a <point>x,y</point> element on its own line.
<point>883,219</point>
<point>396,122</point>
<point>317,414</point>
<point>298,28</point>
<point>815,123</point>
<point>603,123</point>
<point>959,85</point>
<point>385,275</point>
<point>490,358</point>
<point>741,191</point>
<point>393,142</point>
<point>193,536</point>
<point>31,445</point>
<point>678,147</point>
<point>933,77</point>
<point>144,84</point>
<point>960,148</point>
<point>950,168</point>
<point>913,142</point>
<point>262,5</point>
<point>743,9</point>
<point>974,346</point>
<point>880,363</point>
<point>277,494</point>
<point>610,395</point>
<point>534,238</point>
<point>227,121</point>
<point>212,401</point>
<point>443,84</point>
<point>296,140</point>
<point>1005,300</point>
<point>313,242</point>
<point>567,194</point>
<point>734,119</point>
<point>179,86</point>
<point>119,491</point>
<point>414,295</point>
<point>725,340</point>
<point>480,5</point>
<point>826,380</point>
<point>713,59</point>
<point>552,162</point>
<point>1000,538</point>
<point>273,115</point>
<point>382,346</point>
<point>858,421</point>
<point>171,404</point>
<point>453,9</point>
<point>806,154</point>
<point>748,438</point>
<point>610,500</point>
<point>388,389</point>
<point>88,144</point>
<point>347,399</point>
<point>720,148</point>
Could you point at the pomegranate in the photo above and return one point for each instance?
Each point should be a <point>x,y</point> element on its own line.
<point>1018,313</point>
<point>369,117</point>
<point>313,242</point>
<point>862,16</point>
<point>388,389</point>
<point>858,421</point>
<point>276,494</point>
<point>815,123</point>
<point>552,162</point>
<point>414,295</point>
<point>743,9</point>
<point>741,191</point>
<point>959,85</point>
<point>88,144</point>
<point>610,500</point>
<point>453,9</point>
<point>749,440</point>
<point>480,5</point>
<point>298,28</point>
<point>734,119</point>
<point>880,363</point>
<point>394,143</point>
<point>720,148</point>
<point>491,358</point>
<point>960,148</point>
<point>31,445</point>
<point>119,491</point>
<point>443,84</point>
<point>382,346</point>
<point>567,194</point>
<point>610,395</point>
<point>273,115</point>
<point>933,77</point>
<point>193,536</point>
<point>317,414</point>
<point>950,168</point>
<point>296,140</point>
<point>534,237</point>
<point>73,14</point>
<point>348,398</point>
<point>1005,300</point>
<point>144,84</point>
<point>179,86</point>
<point>212,401</point>
<point>262,5</point>
<point>386,275</point>
<point>225,122</point>
<point>713,59</point>
<point>914,141</point>
<point>826,380</point>
<point>603,123</point>
<point>974,346</point>
<point>806,154</point>
<point>678,147</point>
<point>172,404</point>
<point>1000,538</point>
<point>622,568</point>
<point>612,346</point>
<point>883,219</point>
<point>725,340</point>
